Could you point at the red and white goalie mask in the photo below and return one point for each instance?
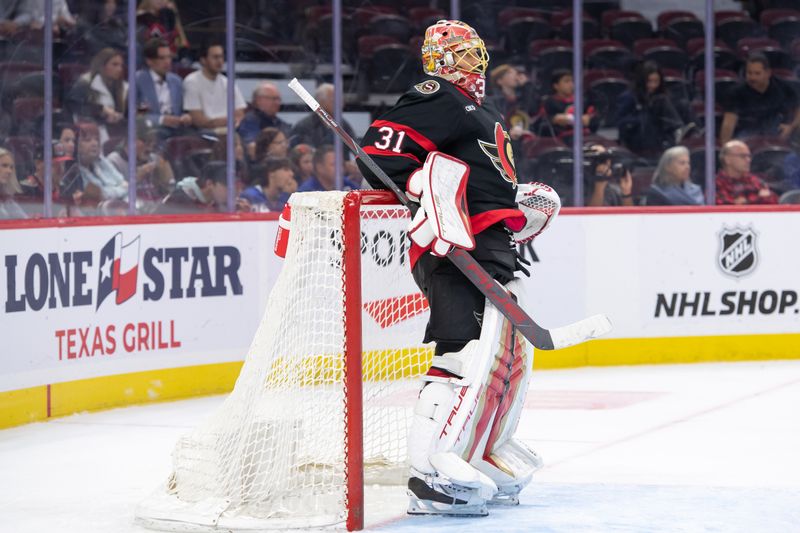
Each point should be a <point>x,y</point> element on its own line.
<point>452,50</point>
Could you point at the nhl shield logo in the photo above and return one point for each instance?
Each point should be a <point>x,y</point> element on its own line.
<point>737,253</point>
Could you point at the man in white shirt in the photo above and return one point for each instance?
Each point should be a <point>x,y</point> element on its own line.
<point>205,92</point>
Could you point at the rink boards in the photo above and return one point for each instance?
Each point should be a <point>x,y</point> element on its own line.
<point>99,313</point>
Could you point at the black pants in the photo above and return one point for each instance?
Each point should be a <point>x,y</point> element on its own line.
<point>456,304</point>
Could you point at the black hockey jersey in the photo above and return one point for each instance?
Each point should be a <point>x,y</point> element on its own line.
<point>436,115</point>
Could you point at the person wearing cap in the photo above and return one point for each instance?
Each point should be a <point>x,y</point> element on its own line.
<point>207,193</point>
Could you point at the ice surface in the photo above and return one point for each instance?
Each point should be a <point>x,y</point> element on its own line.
<point>704,447</point>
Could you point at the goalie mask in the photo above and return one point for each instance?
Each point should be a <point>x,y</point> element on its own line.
<point>452,50</point>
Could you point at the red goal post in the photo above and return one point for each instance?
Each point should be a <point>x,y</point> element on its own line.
<point>324,398</point>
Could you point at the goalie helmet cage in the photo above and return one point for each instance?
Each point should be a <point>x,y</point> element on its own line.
<point>327,388</point>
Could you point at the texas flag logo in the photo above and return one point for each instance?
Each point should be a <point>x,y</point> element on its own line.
<point>119,266</point>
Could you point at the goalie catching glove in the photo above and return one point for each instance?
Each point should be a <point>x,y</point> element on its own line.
<point>442,220</point>
<point>540,205</point>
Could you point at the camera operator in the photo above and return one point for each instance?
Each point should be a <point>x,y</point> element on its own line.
<point>607,183</point>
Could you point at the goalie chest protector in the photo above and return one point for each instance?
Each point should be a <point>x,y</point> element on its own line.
<point>436,115</point>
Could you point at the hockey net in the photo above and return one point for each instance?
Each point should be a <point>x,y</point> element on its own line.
<point>325,395</point>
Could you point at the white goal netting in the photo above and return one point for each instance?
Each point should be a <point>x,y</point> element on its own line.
<point>274,453</point>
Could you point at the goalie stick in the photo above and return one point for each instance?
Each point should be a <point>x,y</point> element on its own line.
<point>541,338</point>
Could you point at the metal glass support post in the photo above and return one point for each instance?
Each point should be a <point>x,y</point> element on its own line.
<point>48,108</point>
<point>577,72</point>
<point>710,100</point>
<point>455,9</point>
<point>338,100</point>
<point>132,107</point>
<point>230,59</point>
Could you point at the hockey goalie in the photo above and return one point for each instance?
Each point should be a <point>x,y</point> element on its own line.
<point>452,156</point>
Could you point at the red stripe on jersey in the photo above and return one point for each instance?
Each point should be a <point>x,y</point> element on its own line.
<point>483,220</point>
<point>479,223</point>
<point>371,150</point>
<point>427,144</point>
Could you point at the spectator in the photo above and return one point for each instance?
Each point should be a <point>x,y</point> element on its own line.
<point>154,175</point>
<point>560,107</point>
<point>324,178</point>
<point>648,121</point>
<point>273,183</point>
<point>107,28</point>
<point>160,19</point>
<point>604,187</point>
<point>205,92</point>
<point>101,93</point>
<point>64,135</point>
<point>209,192</point>
<point>671,183</point>
<point>159,91</point>
<point>219,152</point>
<point>735,183</point>
<point>271,142</point>
<point>31,14</point>
<point>302,158</point>
<point>513,96</point>
<point>9,186</point>
<point>310,129</point>
<point>33,185</point>
<point>9,11</point>
<point>763,105</point>
<point>95,169</point>
<point>263,114</point>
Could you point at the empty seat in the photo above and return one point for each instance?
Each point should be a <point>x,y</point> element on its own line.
<point>393,68</point>
<point>562,21</point>
<point>422,17</point>
<point>724,81</point>
<point>782,25</point>
<point>602,88</point>
<point>676,84</point>
<point>777,56</point>
<point>734,25</point>
<point>680,26</point>
<point>626,26</point>
<point>396,26</point>
<point>550,54</point>
<point>724,56</point>
<point>665,52</point>
<point>607,53</point>
<point>522,30</point>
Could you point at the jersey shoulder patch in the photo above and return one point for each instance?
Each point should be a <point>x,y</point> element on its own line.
<point>428,87</point>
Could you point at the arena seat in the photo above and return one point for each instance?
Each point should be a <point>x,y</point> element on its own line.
<point>680,26</point>
<point>730,26</point>
<point>562,21</point>
<point>724,56</point>
<point>665,52</point>
<point>422,17</point>
<point>602,89</point>
<point>782,25</point>
<point>548,55</point>
<point>724,81</point>
<point>393,68</point>
<point>607,53</point>
<point>522,29</point>
<point>626,26</point>
<point>777,56</point>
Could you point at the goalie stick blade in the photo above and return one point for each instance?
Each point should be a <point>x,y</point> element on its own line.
<point>581,331</point>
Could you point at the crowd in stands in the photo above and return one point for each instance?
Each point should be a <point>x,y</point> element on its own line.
<point>643,122</point>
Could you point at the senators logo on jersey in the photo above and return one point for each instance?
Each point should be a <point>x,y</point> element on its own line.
<point>501,154</point>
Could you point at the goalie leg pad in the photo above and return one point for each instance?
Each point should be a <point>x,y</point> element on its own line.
<point>509,463</point>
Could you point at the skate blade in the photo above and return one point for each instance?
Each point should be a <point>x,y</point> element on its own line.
<point>423,507</point>
<point>505,501</point>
